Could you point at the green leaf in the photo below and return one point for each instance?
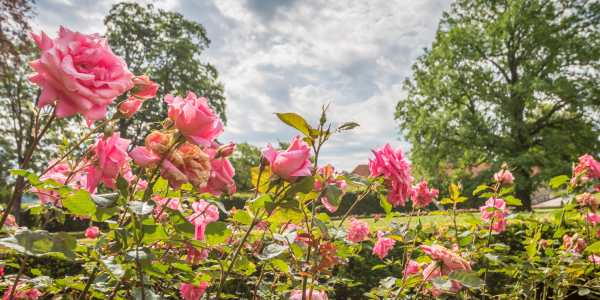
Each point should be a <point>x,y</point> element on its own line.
<point>80,203</point>
<point>295,121</point>
<point>480,189</point>
<point>140,208</point>
<point>280,265</point>
<point>113,268</point>
<point>243,217</point>
<point>347,126</point>
<point>41,242</point>
<point>304,185</point>
<point>558,181</point>
<point>333,194</point>
<point>468,279</point>
<point>153,233</point>
<point>272,251</point>
<point>216,233</point>
<point>593,248</point>
<point>510,200</point>
<point>387,207</point>
<point>507,190</point>
<point>105,200</point>
<point>259,203</point>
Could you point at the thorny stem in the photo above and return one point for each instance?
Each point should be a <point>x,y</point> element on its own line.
<point>360,198</point>
<point>89,282</point>
<point>21,270</point>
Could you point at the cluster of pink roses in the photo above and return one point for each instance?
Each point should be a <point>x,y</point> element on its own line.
<point>445,262</point>
<point>395,169</point>
<point>358,231</point>
<point>586,170</point>
<point>199,161</point>
<point>383,245</point>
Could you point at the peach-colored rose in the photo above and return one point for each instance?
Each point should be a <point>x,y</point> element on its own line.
<point>144,88</point>
<point>79,74</point>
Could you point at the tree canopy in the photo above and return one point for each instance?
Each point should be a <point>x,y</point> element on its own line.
<point>506,81</point>
<point>167,47</point>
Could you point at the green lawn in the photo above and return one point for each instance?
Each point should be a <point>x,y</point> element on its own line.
<point>439,219</point>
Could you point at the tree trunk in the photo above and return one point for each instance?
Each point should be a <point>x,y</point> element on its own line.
<point>523,188</point>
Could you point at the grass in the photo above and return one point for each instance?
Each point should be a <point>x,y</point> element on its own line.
<point>442,219</point>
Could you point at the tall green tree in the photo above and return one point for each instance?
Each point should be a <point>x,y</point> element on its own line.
<point>245,157</point>
<point>513,81</point>
<point>167,47</point>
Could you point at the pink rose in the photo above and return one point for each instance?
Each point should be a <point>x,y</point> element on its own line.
<point>412,267</point>
<point>92,232</point>
<point>110,160</point>
<point>327,177</point>
<point>144,88</point>
<point>195,256</point>
<point>358,231</point>
<point>589,200</point>
<point>204,214</point>
<point>130,106</point>
<point>291,163</point>
<point>188,163</point>
<point>316,295</point>
<point>21,293</point>
<point>383,245</point>
<point>225,150</point>
<point>79,73</point>
<point>595,259</point>
<point>221,177</point>
<point>574,244</point>
<point>504,177</point>
<point>592,218</point>
<point>63,174</point>
<point>587,169</point>
<point>194,118</point>
<point>11,221</point>
<point>395,168</point>
<point>495,211</point>
<point>189,291</point>
<point>160,212</point>
<point>450,260</point>
<point>422,196</point>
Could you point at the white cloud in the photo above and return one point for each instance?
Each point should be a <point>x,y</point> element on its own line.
<point>287,55</point>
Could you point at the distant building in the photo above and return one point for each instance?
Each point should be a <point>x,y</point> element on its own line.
<point>361,170</point>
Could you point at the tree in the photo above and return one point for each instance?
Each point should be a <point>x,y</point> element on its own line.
<point>244,158</point>
<point>167,47</point>
<point>14,24</point>
<point>506,81</point>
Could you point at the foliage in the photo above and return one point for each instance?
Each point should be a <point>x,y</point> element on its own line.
<point>505,81</point>
<point>245,157</point>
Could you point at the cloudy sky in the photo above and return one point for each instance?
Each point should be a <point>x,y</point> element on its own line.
<point>295,56</point>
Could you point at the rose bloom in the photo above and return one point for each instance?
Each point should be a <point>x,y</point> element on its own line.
<point>573,244</point>
<point>144,88</point>
<point>412,267</point>
<point>225,150</point>
<point>422,195</point>
<point>189,291</point>
<point>316,295</point>
<point>11,221</point>
<point>204,214</point>
<point>383,245</point>
<point>92,232</point>
<point>358,231</point>
<point>592,218</point>
<point>195,256</point>
<point>595,259</point>
<point>221,177</point>
<point>504,177</point>
<point>587,169</point>
<point>328,178</point>
<point>79,73</point>
<point>395,168</point>
<point>194,118</point>
<point>188,163</point>
<point>291,163</point>
<point>110,160</point>
<point>130,106</point>
<point>495,211</point>
<point>21,293</point>
<point>589,200</point>
<point>63,174</point>
<point>160,212</point>
<point>451,261</point>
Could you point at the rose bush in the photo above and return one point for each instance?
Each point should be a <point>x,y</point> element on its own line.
<point>155,226</point>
